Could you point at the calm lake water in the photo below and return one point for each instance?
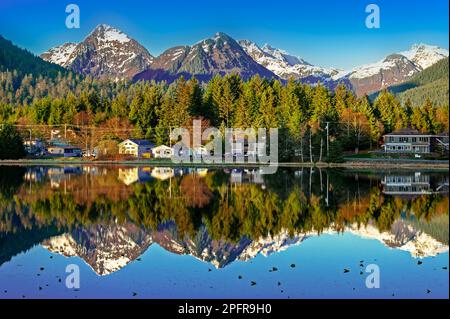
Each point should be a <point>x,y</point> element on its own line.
<point>155,232</point>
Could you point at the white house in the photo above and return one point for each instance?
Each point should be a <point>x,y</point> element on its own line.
<point>407,141</point>
<point>162,151</point>
<point>135,147</point>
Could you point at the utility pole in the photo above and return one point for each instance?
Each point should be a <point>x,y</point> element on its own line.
<point>328,140</point>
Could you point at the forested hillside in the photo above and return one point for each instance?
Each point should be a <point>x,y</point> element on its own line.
<point>15,58</point>
<point>432,83</point>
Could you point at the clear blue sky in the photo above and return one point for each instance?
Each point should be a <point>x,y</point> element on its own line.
<point>324,32</point>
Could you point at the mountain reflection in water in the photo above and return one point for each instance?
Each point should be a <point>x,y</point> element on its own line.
<point>111,216</point>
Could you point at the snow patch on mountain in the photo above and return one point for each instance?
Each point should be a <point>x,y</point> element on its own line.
<point>111,34</point>
<point>393,61</point>
<point>61,55</point>
<point>284,64</point>
<point>425,55</point>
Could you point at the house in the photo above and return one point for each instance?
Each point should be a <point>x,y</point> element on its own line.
<point>63,150</point>
<point>162,151</point>
<point>136,147</point>
<point>407,141</point>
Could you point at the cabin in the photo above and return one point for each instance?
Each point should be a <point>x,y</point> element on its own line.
<point>62,150</point>
<point>162,151</point>
<point>136,148</point>
<point>407,141</point>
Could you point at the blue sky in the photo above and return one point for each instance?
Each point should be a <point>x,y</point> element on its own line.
<point>324,32</point>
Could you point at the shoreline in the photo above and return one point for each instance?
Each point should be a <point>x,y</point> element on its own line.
<point>349,164</point>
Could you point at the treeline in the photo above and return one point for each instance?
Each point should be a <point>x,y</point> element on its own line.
<point>150,110</point>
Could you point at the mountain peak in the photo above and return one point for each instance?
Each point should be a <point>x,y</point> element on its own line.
<point>422,46</point>
<point>108,33</point>
<point>105,52</point>
<point>425,55</point>
<point>221,35</point>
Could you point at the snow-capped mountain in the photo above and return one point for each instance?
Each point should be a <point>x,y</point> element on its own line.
<point>219,54</point>
<point>424,55</point>
<point>283,64</point>
<point>105,53</point>
<point>369,78</point>
<point>108,52</point>
<point>394,69</point>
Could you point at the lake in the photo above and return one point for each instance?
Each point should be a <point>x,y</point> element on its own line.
<point>81,231</point>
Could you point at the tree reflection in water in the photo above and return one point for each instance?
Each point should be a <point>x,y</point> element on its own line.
<point>217,215</point>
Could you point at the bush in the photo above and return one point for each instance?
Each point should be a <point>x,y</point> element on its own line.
<point>11,144</point>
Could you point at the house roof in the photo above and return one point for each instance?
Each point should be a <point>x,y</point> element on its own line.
<point>140,142</point>
<point>162,147</point>
<point>407,131</point>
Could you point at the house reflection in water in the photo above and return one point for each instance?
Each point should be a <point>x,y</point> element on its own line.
<point>246,176</point>
<point>144,174</point>
<point>135,174</point>
<point>163,173</point>
<point>411,184</point>
<point>57,175</point>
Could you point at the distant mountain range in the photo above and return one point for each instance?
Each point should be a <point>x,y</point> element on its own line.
<point>109,53</point>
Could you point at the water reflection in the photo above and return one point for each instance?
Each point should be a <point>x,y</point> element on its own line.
<point>414,184</point>
<point>111,216</point>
